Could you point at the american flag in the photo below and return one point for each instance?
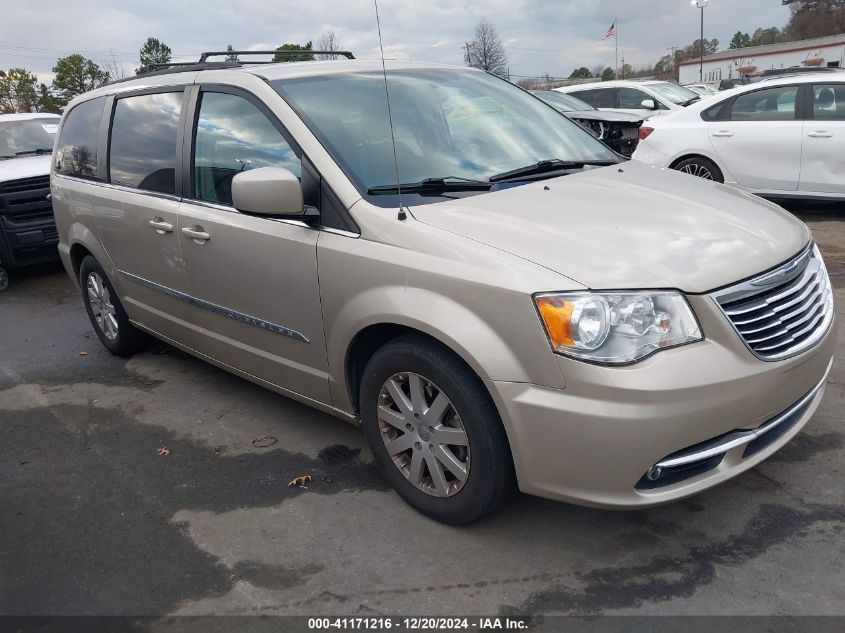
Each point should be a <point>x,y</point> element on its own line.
<point>610,32</point>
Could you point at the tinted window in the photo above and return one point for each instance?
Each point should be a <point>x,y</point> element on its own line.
<point>718,112</point>
<point>563,102</point>
<point>829,102</point>
<point>632,99</point>
<point>771,104</point>
<point>599,98</point>
<point>233,135</point>
<point>143,142</point>
<point>76,152</point>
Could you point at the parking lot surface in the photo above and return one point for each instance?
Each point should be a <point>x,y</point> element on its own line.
<point>94,520</point>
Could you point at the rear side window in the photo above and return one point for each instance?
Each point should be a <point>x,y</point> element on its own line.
<point>598,98</point>
<point>76,151</point>
<point>771,104</point>
<point>232,136</point>
<point>142,154</point>
<point>829,102</point>
<point>718,112</point>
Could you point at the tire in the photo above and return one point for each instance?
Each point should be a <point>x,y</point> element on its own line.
<point>700,167</point>
<point>105,311</point>
<point>466,416</point>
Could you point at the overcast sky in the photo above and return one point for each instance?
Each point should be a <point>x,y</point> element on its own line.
<point>540,36</point>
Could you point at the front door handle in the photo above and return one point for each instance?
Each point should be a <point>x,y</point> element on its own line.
<point>821,134</point>
<point>723,133</point>
<point>196,233</point>
<point>161,227</point>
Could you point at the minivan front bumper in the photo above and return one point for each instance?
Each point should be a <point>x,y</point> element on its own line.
<point>595,442</point>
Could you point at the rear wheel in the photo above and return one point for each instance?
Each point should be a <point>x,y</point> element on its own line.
<point>434,431</point>
<point>700,167</point>
<point>105,311</point>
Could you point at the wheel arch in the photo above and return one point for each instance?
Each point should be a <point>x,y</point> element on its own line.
<point>699,154</point>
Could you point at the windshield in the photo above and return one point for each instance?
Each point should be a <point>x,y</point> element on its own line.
<point>28,136</point>
<point>447,124</point>
<point>563,102</point>
<point>674,93</point>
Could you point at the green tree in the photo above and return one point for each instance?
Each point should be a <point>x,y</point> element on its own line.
<point>153,52</point>
<point>626,72</point>
<point>305,56</point>
<point>740,40</point>
<point>76,74</point>
<point>766,36</point>
<point>48,102</point>
<point>17,91</point>
<point>581,73</point>
<point>608,74</point>
<point>231,57</point>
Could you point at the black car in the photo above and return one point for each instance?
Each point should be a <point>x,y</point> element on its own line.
<point>618,130</point>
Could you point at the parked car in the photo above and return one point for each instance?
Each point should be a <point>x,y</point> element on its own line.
<point>779,138</point>
<point>27,230</point>
<point>643,98</point>
<point>792,70</point>
<point>470,285</point>
<point>705,90</point>
<point>618,130</point>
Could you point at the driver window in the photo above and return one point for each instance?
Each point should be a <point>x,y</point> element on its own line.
<point>632,99</point>
<point>233,135</point>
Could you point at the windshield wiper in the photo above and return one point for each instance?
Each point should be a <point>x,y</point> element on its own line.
<point>547,167</point>
<point>690,102</point>
<point>432,185</point>
<point>37,152</point>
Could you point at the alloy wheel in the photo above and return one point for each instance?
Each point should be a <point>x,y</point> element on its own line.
<point>698,170</point>
<point>99,298</point>
<point>423,434</point>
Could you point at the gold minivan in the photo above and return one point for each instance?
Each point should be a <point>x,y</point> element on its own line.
<point>497,298</point>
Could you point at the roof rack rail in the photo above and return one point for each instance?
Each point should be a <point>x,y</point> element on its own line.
<point>204,57</point>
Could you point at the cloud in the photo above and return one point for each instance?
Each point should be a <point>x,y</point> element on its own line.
<point>541,37</point>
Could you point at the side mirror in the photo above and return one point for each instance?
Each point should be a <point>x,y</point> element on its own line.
<point>268,191</point>
<point>648,104</point>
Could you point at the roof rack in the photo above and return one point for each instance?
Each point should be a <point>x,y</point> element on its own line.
<point>204,57</point>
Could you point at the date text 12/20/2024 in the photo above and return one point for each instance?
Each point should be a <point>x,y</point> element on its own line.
<point>418,624</point>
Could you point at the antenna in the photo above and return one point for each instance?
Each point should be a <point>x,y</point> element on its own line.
<point>402,215</point>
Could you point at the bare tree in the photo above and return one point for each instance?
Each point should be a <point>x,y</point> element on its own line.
<point>328,42</point>
<point>114,67</point>
<point>486,50</point>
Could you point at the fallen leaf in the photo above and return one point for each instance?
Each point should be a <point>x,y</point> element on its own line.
<point>300,482</point>
<point>264,442</point>
<point>163,451</point>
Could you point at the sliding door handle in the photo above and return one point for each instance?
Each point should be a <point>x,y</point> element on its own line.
<point>196,233</point>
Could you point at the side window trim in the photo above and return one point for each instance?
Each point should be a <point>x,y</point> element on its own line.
<point>108,124</point>
<point>103,138</point>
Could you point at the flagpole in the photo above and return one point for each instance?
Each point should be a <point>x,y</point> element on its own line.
<point>616,38</point>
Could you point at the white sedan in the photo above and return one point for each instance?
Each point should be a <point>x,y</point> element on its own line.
<point>781,138</point>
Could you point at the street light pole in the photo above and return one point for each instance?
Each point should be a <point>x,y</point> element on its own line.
<point>701,4</point>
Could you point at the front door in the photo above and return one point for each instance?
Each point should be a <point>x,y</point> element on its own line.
<point>761,143</point>
<point>253,280</point>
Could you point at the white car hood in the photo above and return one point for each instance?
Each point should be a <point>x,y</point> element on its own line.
<point>629,226</point>
<point>26,167</point>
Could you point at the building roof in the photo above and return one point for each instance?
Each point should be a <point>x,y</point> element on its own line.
<point>772,49</point>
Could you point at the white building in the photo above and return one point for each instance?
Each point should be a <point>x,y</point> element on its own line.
<point>748,62</point>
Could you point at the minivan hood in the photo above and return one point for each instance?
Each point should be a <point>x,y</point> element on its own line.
<point>629,226</point>
<point>24,167</point>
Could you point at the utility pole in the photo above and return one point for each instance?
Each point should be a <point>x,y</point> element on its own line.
<point>623,67</point>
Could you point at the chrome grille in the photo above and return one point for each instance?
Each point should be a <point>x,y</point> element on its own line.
<point>784,312</point>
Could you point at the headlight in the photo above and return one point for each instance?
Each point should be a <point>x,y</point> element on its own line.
<point>616,327</point>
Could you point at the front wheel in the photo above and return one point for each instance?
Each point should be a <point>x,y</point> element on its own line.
<point>434,431</point>
<point>700,167</point>
<point>105,311</point>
